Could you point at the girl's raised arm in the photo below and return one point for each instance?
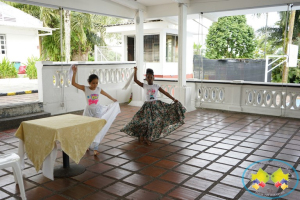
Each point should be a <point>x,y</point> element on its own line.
<point>167,94</point>
<point>136,80</point>
<point>108,96</point>
<point>80,87</point>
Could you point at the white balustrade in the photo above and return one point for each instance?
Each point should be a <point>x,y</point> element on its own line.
<point>59,96</point>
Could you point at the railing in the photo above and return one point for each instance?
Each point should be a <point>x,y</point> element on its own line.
<point>59,96</point>
<point>247,97</point>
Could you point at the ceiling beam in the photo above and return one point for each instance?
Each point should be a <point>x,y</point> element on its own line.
<point>131,4</point>
<point>101,7</point>
<point>211,6</point>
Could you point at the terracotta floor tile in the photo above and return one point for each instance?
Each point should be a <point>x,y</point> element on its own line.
<point>60,184</point>
<point>116,161</point>
<point>6,180</point>
<point>130,155</point>
<point>184,193</point>
<point>147,159</point>
<point>37,193</point>
<point>4,195</point>
<point>174,177</point>
<point>208,174</point>
<point>178,157</point>
<point>56,197</point>
<point>198,184</point>
<point>197,147</point>
<point>114,151</point>
<point>144,194</point>
<point>180,144</point>
<point>171,148</point>
<point>101,196</point>
<point>127,147</point>
<point>225,191</point>
<point>166,164</point>
<point>143,150</point>
<point>99,168</point>
<point>160,186</point>
<point>117,173</point>
<point>14,188</point>
<point>85,176</point>
<point>119,189</point>
<point>187,169</point>
<point>159,153</point>
<point>188,152</point>
<point>153,171</point>
<point>133,166</point>
<point>99,182</point>
<point>79,191</point>
<point>137,179</point>
<point>198,162</point>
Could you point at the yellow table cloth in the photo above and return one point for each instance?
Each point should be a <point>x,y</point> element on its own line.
<point>74,132</point>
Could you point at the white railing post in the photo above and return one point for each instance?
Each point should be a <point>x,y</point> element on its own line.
<point>96,53</point>
<point>266,69</point>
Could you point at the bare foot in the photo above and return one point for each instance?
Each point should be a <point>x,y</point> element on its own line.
<point>148,142</point>
<point>141,139</point>
<point>96,152</point>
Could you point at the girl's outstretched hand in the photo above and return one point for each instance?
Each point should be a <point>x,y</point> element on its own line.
<point>74,68</point>
<point>114,100</point>
<point>176,101</point>
<point>135,68</point>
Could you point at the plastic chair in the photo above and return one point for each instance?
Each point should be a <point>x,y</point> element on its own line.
<point>13,160</point>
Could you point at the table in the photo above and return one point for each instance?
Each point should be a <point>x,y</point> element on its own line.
<point>74,132</point>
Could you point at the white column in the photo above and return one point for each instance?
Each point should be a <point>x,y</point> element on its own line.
<point>182,92</point>
<point>137,99</point>
<point>182,43</point>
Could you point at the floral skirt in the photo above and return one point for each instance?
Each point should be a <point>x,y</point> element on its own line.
<point>155,119</point>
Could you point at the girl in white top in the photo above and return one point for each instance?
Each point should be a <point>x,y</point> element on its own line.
<point>94,108</point>
<point>155,119</point>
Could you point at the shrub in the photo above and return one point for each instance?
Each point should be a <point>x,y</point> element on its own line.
<point>31,69</point>
<point>7,69</point>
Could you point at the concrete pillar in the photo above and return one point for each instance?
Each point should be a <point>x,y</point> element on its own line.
<point>182,92</point>
<point>182,43</point>
<point>137,99</point>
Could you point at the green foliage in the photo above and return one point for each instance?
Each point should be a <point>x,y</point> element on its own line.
<point>84,30</point>
<point>7,69</point>
<point>293,77</point>
<point>230,37</point>
<point>197,49</point>
<point>30,67</point>
<point>91,58</point>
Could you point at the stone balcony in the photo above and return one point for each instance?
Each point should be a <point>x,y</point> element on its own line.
<point>203,159</point>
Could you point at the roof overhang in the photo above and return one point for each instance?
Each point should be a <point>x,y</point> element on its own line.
<point>127,8</point>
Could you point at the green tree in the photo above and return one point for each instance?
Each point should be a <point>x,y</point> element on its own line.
<point>87,30</point>
<point>230,37</point>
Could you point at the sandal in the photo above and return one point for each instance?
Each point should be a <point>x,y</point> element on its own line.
<point>148,142</point>
<point>141,139</point>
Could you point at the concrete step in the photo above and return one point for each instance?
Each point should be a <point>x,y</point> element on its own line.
<point>14,122</point>
<point>21,109</point>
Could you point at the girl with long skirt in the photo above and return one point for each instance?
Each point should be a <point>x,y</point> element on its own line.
<point>155,119</point>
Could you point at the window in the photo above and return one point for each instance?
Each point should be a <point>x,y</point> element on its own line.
<point>2,45</point>
<point>172,48</point>
<point>151,48</point>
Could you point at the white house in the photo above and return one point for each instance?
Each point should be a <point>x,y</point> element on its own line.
<point>160,46</point>
<point>19,34</point>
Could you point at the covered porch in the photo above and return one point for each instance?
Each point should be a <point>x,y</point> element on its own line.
<point>204,159</point>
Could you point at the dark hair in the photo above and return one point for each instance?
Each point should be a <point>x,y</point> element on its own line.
<point>150,71</point>
<point>92,77</point>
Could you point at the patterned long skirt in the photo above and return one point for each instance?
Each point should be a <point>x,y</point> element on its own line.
<point>155,119</point>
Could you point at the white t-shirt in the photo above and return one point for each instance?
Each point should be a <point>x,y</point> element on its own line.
<point>92,96</point>
<point>151,91</point>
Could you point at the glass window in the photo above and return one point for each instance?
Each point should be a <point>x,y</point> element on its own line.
<point>3,45</point>
<point>172,48</point>
<point>151,48</point>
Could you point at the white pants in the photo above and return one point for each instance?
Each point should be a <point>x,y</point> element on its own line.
<point>109,113</point>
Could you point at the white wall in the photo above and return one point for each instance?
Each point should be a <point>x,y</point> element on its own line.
<point>21,43</point>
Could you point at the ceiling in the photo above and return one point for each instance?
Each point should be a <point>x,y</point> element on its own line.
<point>156,9</point>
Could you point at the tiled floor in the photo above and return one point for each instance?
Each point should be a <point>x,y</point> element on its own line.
<point>18,99</point>
<point>203,159</point>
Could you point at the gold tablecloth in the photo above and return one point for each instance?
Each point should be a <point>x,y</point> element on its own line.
<point>74,132</point>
